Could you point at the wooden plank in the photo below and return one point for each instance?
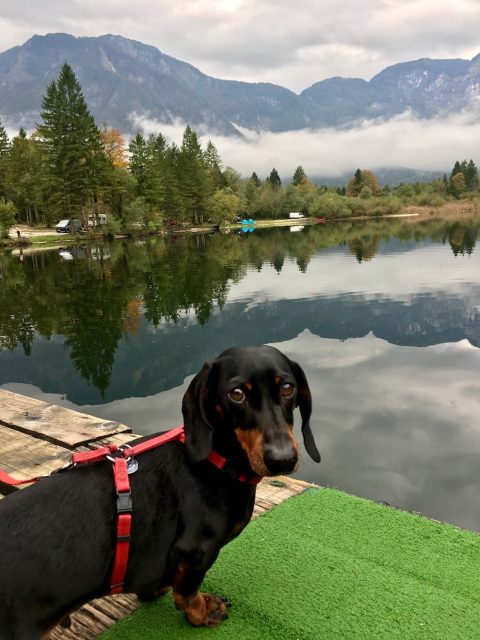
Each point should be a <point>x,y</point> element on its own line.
<point>23,456</point>
<point>55,424</point>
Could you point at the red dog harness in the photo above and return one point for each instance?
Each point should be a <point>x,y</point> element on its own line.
<point>125,463</point>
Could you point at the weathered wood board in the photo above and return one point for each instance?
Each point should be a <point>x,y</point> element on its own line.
<point>23,456</point>
<point>55,424</point>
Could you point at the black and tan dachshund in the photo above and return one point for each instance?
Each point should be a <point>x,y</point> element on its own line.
<point>58,536</point>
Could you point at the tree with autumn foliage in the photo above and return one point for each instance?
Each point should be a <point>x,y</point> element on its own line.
<point>361,179</point>
<point>463,179</point>
<point>113,144</point>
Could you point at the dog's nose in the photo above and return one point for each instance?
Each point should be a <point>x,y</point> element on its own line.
<point>280,460</point>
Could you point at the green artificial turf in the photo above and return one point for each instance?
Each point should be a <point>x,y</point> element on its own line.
<point>326,565</point>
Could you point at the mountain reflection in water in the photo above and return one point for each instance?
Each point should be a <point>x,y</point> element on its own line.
<point>384,318</point>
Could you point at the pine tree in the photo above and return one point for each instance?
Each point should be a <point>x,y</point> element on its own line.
<point>255,179</point>
<point>4,142</point>
<point>299,177</point>
<point>139,162</point>
<point>456,169</point>
<point>274,179</point>
<point>4,149</point>
<point>471,176</point>
<point>214,167</point>
<point>174,205</point>
<point>71,141</point>
<point>154,188</point>
<point>192,174</point>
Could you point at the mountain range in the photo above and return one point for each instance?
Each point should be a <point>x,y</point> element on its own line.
<point>124,81</point>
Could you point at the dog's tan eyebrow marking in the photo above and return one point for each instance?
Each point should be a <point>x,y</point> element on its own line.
<point>278,379</point>
<point>248,386</point>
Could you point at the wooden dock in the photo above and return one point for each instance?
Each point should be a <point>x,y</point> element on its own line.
<point>38,438</point>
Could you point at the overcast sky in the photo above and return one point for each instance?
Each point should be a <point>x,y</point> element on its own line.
<point>293,44</point>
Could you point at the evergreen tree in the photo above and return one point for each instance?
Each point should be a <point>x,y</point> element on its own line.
<point>192,174</point>
<point>456,169</point>
<point>4,142</point>
<point>252,188</point>
<point>471,176</point>
<point>4,149</point>
<point>255,179</point>
<point>214,167</point>
<point>299,176</point>
<point>154,188</point>
<point>139,163</point>
<point>174,205</point>
<point>72,144</point>
<point>274,179</point>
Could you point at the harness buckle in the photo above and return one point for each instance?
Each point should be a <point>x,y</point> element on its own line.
<point>124,502</point>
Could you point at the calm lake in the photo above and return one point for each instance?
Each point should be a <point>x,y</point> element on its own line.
<point>383,317</point>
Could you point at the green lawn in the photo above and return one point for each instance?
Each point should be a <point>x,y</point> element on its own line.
<point>326,565</point>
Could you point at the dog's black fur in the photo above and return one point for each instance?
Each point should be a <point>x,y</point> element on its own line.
<point>58,536</point>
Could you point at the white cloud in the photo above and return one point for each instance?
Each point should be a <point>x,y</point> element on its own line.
<point>403,141</point>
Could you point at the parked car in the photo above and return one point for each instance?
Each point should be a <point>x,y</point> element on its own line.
<point>295,215</point>
<point>68,226</point>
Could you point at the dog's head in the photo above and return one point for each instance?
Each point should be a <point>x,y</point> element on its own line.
<point>243,401</point>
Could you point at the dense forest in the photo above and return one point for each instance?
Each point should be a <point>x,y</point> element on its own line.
<point>69,167</point>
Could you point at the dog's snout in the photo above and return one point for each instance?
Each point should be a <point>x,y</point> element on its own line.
<point>280,460</point>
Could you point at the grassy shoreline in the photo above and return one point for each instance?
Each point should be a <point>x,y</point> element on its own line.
<point>38,238</point>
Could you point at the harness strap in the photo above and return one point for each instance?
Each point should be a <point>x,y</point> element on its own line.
<point>120,457</point>
<point>95,455</point>
<point>124,525</point>
<point>152,443</point>
<point>13,482</point>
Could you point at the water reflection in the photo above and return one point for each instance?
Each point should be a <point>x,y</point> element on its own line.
<point>119,330</point>
<point>397,424</point>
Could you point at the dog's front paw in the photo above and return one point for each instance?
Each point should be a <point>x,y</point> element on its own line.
<point>206,609</point>
<point>216,609</point>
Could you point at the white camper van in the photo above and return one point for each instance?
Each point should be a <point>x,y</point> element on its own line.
<point>97,220</point>
<point>295,215</point>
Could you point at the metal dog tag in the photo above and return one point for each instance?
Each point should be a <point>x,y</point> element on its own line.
<point>132,466</point>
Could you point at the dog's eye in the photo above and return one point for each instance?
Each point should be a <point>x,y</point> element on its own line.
<point>237,395</point>
<point>287,389</point>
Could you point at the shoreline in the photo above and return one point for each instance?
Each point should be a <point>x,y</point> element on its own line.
<point>45,239</point>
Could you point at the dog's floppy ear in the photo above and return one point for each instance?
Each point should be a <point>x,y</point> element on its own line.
<point>304,402</point>
<point>196,409</point>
